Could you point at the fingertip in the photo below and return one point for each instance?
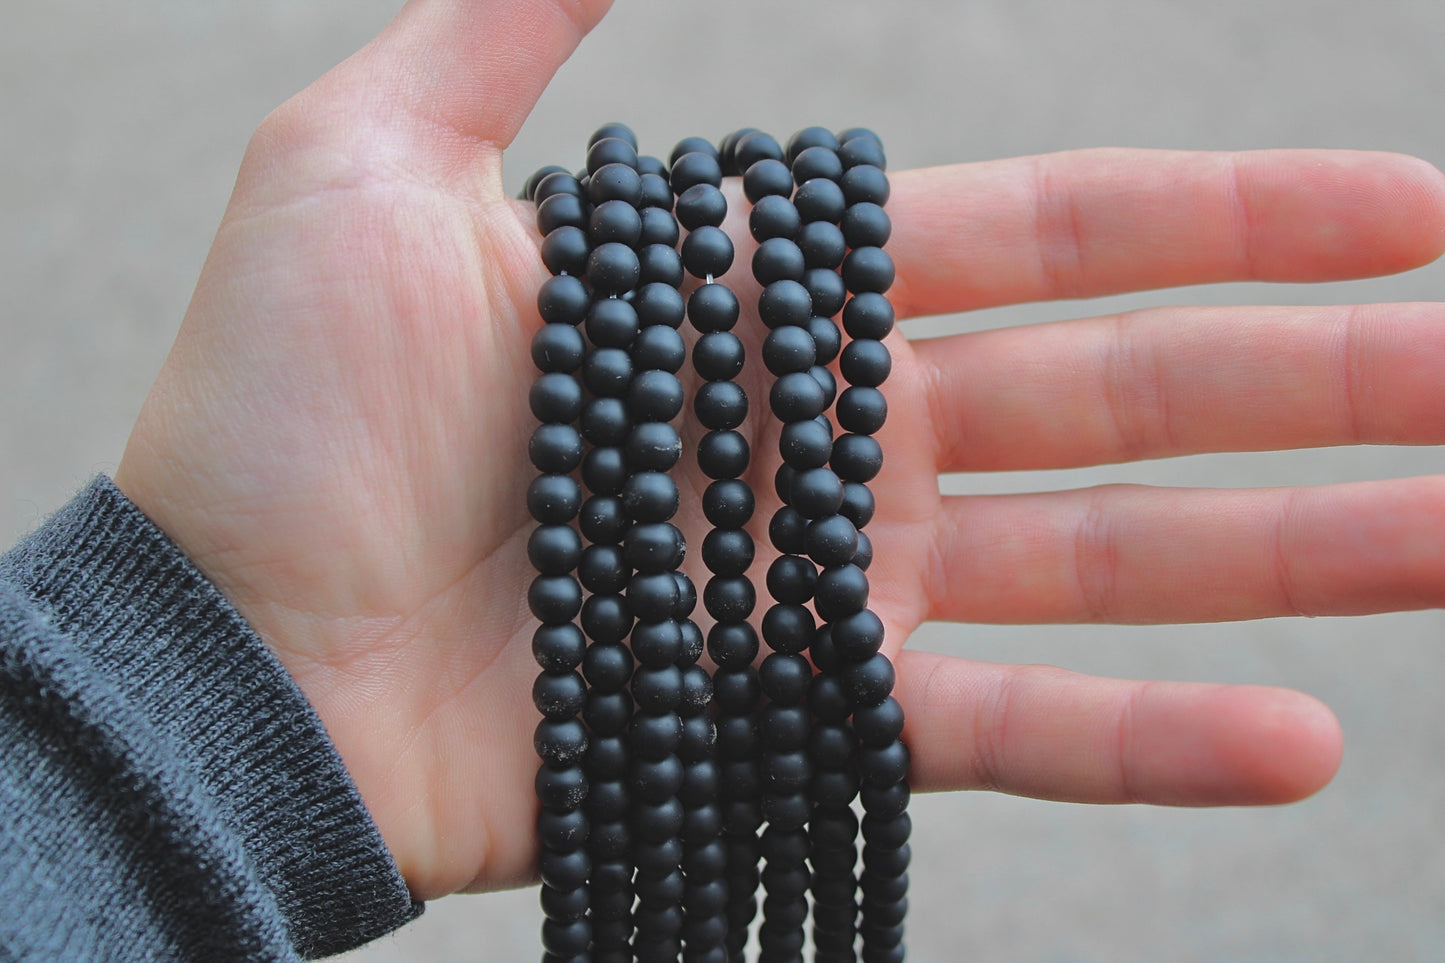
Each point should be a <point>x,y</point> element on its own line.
<point>1288,746</point>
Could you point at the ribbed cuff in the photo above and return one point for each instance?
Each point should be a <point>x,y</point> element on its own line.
<point>186,660</point>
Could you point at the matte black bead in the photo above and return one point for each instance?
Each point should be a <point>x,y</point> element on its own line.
<point>607,756</point>
<point>871,681</point>
<point>732,645</point>
<point>558,347</point>
<point>701,204</point>
<point>611,150</point>
<point>604,470</point>
<point>727,150</point>
<point>833,828</point>
<point>563,300</point>
<point>777,259</point>
<point>614,221</point>
<point>831,745</point>
<point>603,519</point>
<point>651,598</point>
<point>656,780</point>
<point>727,503</point>
<point>788,349</point>
<point>868,269</point>
<point>554,499</point>
<point>888,914</point>
<point>566,870</point>
<point>757,146</point>
<point>560,740</point>
<point>822,245</point>
<point>827,697</point>
<point>697,167</point>
<point>654,396</point>
<point>862,409</point>
<point>788,628</point>
<point>713,307</point>
<point>554,599</point>
<point>686,603</point>
<point>659,264</point>
<point>786,530</point>
<point>727,551</point>
<point>606,620</point>
<point>816,493</point>
<point>858,503</point>
<point>825,286</point>
<point>561,210</point>
<point>797,397</point>
<point>785,302</point>
<point>653,547</point>
<point>661,888</point>
<point>605,422</point>
<point>831,541</point>
<point>791,579</point>
<point>529,189</point>
<point>658,304</point>
<point>690,145</point>
<point>718,356</point>
<point>785,676</point>
<point>825,380</point>
<point>656,191</point>
<point>654,736</point>
<point>865,183</point>
<point>565,905</point>
<point>859,145</point>
<point>736,691</point>
<point>607,371</point>
<point>787,811</point>
<point>722,454</point>
<point>816,161</point>
<point>612,268</point>
<point>866,362</point>
<point>720,404</point>
<point>554,549</point>
<point>561,787</point>
<point>773,216</point>
<point>608,713</point>
<point>879,725</point>
<point>864,556</point>
<point>805,444</point>
<point>842,591</point>
<point>868,315</point>
<point>659,226</point>
<point>560,695</point>
<point>614,129</point>
<point>696,695</point>
<point>610,840</point>
<point>657,690</point>
<point>887,833</point>
<point>729,598</point>
<point>883,766</point>
<point>611,323</point>
<point>820,200</point>
<point>811,137</point>
<point>656,824</point>
<point>857,458</point>
<point>565,251</point>
<point>707,252</point>
<point>650,497</point>
<point>657,643</point>
<point>615,182</point>
<point>558,648</point>
<point>557,182</point>
<point>783,481</point>
<point>866,225</point>
<point>858,637</point>
<point>659,347</point>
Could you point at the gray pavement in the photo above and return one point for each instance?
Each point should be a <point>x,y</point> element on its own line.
<point>120,130</point>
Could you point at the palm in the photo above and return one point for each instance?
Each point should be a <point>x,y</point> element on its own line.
<point>339,441</point>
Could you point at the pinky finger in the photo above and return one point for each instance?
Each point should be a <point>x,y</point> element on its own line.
<point>1052,734</point>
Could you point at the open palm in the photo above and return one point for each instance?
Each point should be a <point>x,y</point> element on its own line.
<point>339,439</point>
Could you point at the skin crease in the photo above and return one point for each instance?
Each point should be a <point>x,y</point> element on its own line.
<point>338,439</point>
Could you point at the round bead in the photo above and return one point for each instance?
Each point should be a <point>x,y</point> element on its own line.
<point>612,268</point>
<point>558,347</point>
<point>696,695</point>
<point>553,499</point>
<point>554,549</point>
<point>564,870</point>
<point>560,740</point>
<point>883,766</point>
<point>606,620</point>
<point>831,745</point>
<point>611,323</point>
<point>862,409</point>
<point>654,396</point>
<point>565,250</point>
<point>555,449</point>
<point>858,503</point>
<point>652,547</point>
<point>736,691</point>
<point>658,690</point>
<point>659,347</point>
<point>865,183</point>
<point>615,221</point>
<point>713,307</point>
<point>563,300</point>
<point>777,259</point>
<point>788,628</point>
<point>859,145</point>
<point>879,725</point>
<point>827,697</point>
<point>842,591</point>
<point>605,471</point>
<point>602,519</point>
<point>728,503</point>
<point>557,182</point>
<point>718,356</point>
<point>727,150</point>
<point>701,205</point>
<point>608,713</point>
<point>788,349</point>
<point>785,302</point>
<point>864,556</point>
<point>871,681</point>
<point>659,264</point>
<point>658,304</point>
<point>805,444</point>
<point>858,637</point>
<point>822,245</point>
<point>607,667</point>
<point>791,579</point>
<point>816,493</point>
<point>755,147</point>
<point>657,644</point>
<point>866,225</point>
<point>787,812</point>
<point>825,380</point>
<point>783,481</point>
<point>654,736</point>
<point>831,541</point>
<point>721,404</point>
<point>697,167</point>
<point>729,598</point>
<point>558,648</point>
<point>811,137</point>
<point>651,598</point>
<point>868,315</point>
<point>722,454</point>
<point>826,338</point>
<point>559,696</point>
<point>659,226</point>
<point>529,189</point>
<point>601,569</point>
<point>707,252</point>
<point>610,840</point>
<point>866,362</point>
<point>727,551</point>
<point>767,178</point>
<point>565,904</point>
<point>868,269</point>
<point>786,772</point>
<point>825,286</point>
<point>689,145</point>
<point>561,210</point>
<point>615,182</point>
<point>817,161</point>
<point>656,780</point>
<point>787,530</point>
<point>656,191</point>
<point>773,216</point>
<point>614,129</point>
<point>797,397</point>
<point>887,834</point>
<point>820,200</point>
<point>857,458</point>
<point>785,723</point>
<point>886,802</point>
<point>835,788</point>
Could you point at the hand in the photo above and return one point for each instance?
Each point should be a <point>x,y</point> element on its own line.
<point>338,438</point>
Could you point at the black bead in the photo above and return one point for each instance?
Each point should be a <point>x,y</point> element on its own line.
<point>732,645</point>
<point>785,676</point>
<point>727,551</point>
<point>555,449</point>
<point>658,304</point>
<point>686,603</point>
<point>785,302</point>
<point>805,444</point>
<point>560,695</point>
<point>657,644</point>
<point>615,182</point>
<point>858,637</point>
<point>565,251</point>
<point>656,191</point>
<point>558,347</point>
<point>659,226</point>
<point>882,766</point>
<point>608,713</point>
<point>825,286</point>
<point>866,225</point>
<point>701,204</point>
<point>858,503</point>
<point>611,323</point>
<point>554,549</point>
<point>707,252</point>
<point>777,259</point>
<point>729,598</point>
<point>565,904</point>
<point>529,189</point>
<point>879,725</point>
<point>820,200</point>
<point>650,497</point>
<point>787,531</point>
<point>563,300</point>
<point>868,269</point>
<point>866,362</point>
<point>791,579</point>
<point>720,404</point>
<point>797,397</point>
<point>651,598</point>
<point>615,221</point>
<point>859,145</point>
<point>654,396</point>
<point>654,547</point>
<point>825,380</point>
<point>842,591</point>
<point>831,541</point>
<point>606,620</point>
<point>816,493</point>
<point>822,245</point>
<point>614,129</point>
<point>768,178</point>
<point>561,787</point>
<point>787,811</point>
<point>656,780</point>
<point>718,356</point>
<point>728,503</point>
<point>811,137</point>
<point>690,145</point>
<point>659,264</point>
<point>722,454</point>
<point>554,499</point>
<point>607,756</point>
<point>560,740</point>
<point>886,802</point>
<point>862,409</point>
<point>658,690</point>
<point>713,307</point>
<point>816,161</point>
<point>783,481</point>
<point>561,210</point>
<point>727,150</point>
<point>610,840</point>
<point>603,519</point>
<point>605,471</point>
<point>864,556</point>
<point>612,268</point>
<point>871,681</point>
<point>557,182</point>
<point>865,183</point>
<point>607,371</point>
<point>889,833</point>
<point>827,698</point>
<point>564,870</point>
<point>773,216</point>
<point>654,736</point>
<point>757,146</point>
<point>787,349</point>
<point>736,692</point>
<point>697,167</point>
<point>558,648</point>
<point>788,628</point>
<point>857,458</point>
<point>868,315</point>
<point>831,745</point>
<point>659,347</point>
<point>786,772</point>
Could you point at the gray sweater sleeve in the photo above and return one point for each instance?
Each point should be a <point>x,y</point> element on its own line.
<point>166,791</point>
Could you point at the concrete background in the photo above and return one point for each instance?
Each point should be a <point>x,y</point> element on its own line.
<point>120,129</point>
